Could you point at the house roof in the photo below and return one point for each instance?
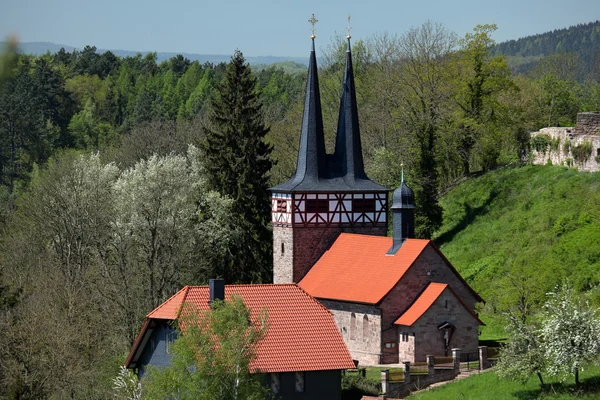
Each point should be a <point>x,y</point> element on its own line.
<point>424,301</point>
<point>362,270</point>
<point>301,334</point>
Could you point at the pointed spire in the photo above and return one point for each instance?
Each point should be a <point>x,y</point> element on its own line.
<point>348,149</point>
<point>311,154</point>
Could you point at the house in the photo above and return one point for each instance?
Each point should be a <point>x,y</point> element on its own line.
<point>302,353</point>
<point>393,299</point>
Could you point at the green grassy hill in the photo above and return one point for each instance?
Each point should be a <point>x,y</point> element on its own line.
<point>517,232</point>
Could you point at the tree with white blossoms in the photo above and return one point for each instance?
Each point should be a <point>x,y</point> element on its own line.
<point>523,355</point>
<point>127,385</point>
<point>570,333</point>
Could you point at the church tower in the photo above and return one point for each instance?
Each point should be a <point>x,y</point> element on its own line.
<point>329,193</point>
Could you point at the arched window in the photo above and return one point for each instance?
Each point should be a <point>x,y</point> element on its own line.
<point>352,326</point>
<point>365,330</point>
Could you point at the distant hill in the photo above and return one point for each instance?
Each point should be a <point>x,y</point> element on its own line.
<point>542,222</point>
<point>582,39</point>
<point>39,48</point>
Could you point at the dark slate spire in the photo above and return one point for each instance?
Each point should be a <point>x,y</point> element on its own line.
<point>348,150</point>
<point>403,210</point>
<point>342,171</point>
<point>311,154</point>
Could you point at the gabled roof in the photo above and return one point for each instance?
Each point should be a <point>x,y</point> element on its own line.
<point>425,300</point>
<point>356,268</point>
<point>301,334</point>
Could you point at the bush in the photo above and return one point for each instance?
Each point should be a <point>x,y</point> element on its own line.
<point>582,152</point>
<point>540,143</point>
<point>598,159</point>
<point>567,146</point>
<point>355,384</point>
<point>569,162</point>
<point>554,144</point>
<point>549,162</point>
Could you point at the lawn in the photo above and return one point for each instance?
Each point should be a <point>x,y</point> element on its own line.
<point>488,386</point>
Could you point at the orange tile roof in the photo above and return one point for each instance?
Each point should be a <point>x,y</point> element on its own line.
<point>302,335</point>
<point>424,301</point>
<point>356,268</point>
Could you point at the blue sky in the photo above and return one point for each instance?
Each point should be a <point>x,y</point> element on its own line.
<point>268,27</point>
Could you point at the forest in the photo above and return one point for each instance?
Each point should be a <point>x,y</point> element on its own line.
<point>121,179</point>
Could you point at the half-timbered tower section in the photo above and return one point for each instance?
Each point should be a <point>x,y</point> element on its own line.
<point>329,193</point>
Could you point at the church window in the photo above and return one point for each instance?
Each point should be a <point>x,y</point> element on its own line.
<point>281,206</point>
<point>365,327</point>
<point>317,205</point>
<point>446,304</point>
<point>282,248</point>
<point>352,326</point>
<point>363,205</point>
<point>299,382</point>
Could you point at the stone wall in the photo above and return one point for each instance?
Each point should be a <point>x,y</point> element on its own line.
<point>565,139</point>
<point>429,267</point>
<point>360,326</point>
<point>297,249</point>
<point>427,339</point>
<point>588,123</point>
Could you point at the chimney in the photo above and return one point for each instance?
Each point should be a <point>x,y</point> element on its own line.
<point>403,210</point>
<point>216,290</point>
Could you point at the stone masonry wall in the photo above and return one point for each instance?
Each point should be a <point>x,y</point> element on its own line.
<point>429,267</point>
<point>588,123</point>
<point>283,254</point>
<point>361,333</point>
<point>303,246</point>
<point>587,130</point>
<point>425,337</point>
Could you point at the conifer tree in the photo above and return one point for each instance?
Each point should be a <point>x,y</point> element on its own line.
<point>238,161</point>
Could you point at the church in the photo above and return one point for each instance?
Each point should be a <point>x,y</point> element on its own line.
<point>393,299</point>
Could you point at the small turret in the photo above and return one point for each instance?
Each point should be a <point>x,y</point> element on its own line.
<point>403,214</point>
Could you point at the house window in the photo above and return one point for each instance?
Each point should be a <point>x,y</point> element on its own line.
<point>170,337</point>
<point>365,328</point>
<point>281,206</point>
<point>390,345</point>
<point>363,205</point>
<point>446,304</point>
<point>352,326</point>
<point>300,382</point>
<point>317,205</point>
<point>275,385</point>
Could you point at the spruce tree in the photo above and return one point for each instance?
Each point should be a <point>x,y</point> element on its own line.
<point>238,161</point>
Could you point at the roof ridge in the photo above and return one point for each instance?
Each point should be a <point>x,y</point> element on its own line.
<point>166,301</point>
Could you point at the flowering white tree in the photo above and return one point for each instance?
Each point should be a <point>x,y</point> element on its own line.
<point>570,333</point>
<point>126,385</point>
<point>523,355</point>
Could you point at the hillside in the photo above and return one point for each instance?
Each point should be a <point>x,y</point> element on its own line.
<point>524,228</point>
<point>582,39</point>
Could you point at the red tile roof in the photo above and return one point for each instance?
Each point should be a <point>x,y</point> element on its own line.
<point>301,335</point>
<point>425,301</point>
<point>356,268</point>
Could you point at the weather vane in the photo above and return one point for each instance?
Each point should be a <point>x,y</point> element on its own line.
<point>313,21</point>
<point>349,27</point>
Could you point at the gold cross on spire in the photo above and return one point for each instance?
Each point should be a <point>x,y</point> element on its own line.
<point>313,21</point>
<point>349,27</point>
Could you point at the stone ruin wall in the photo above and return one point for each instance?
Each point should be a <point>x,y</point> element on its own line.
<point>587,129</point>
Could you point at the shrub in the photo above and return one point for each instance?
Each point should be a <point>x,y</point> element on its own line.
<point>554,144</point>
<point>540,143</point>
<point>569,162</point>
<point>567,146</point>
<point>549,162</point>
<point>582,152</point>
<point>598,159</point>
